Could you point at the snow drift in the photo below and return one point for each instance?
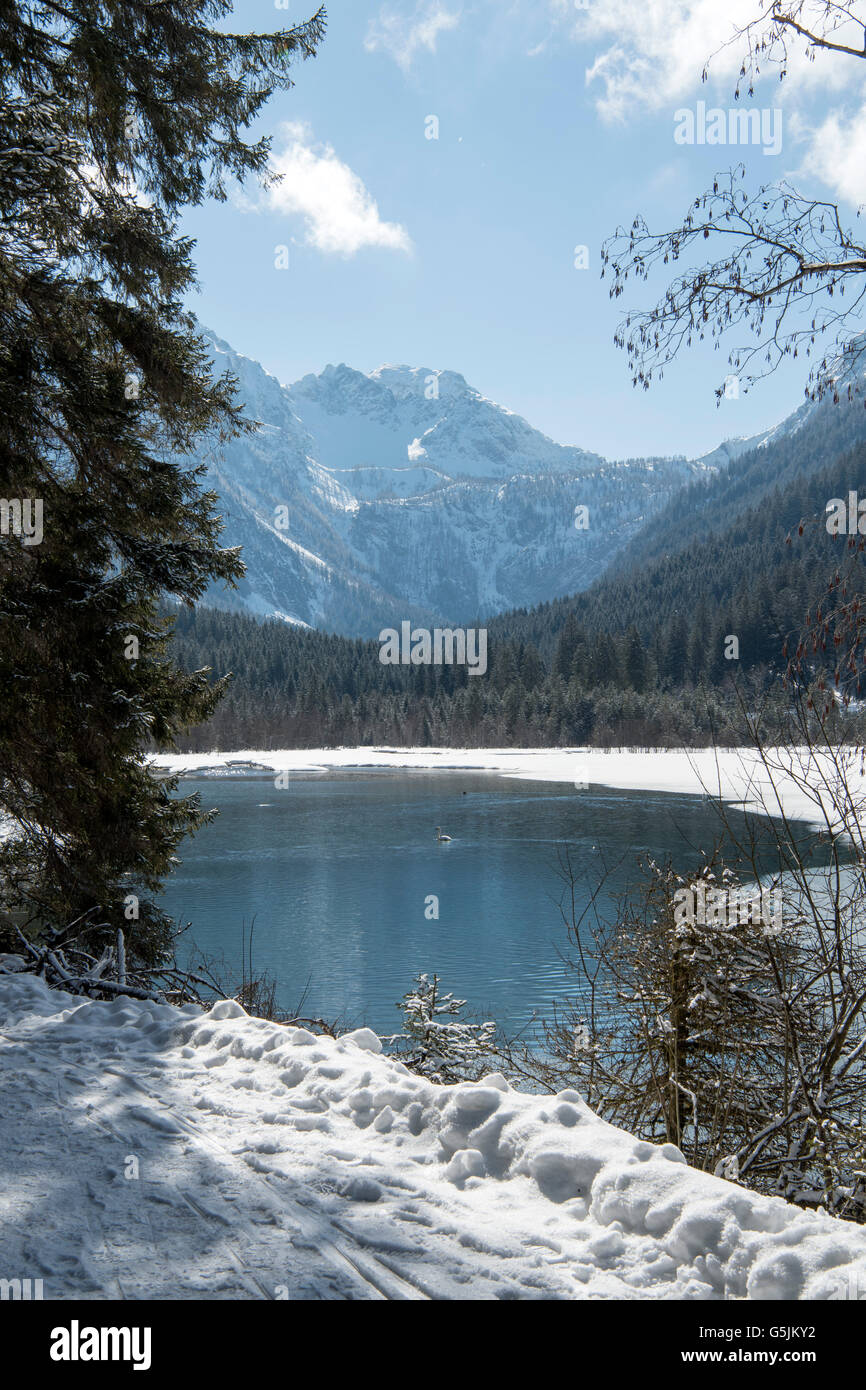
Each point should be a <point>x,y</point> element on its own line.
<point>160,1152</point>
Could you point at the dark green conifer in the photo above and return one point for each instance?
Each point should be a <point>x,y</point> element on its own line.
<point>114,116</point>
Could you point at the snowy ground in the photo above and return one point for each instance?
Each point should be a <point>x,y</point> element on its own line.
<point>733,774</point>
<point>153,1152</point>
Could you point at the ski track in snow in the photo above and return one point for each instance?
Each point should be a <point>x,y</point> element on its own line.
<point>276,1164</point>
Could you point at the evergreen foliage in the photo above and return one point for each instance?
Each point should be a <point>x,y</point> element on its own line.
<point>113,118</point>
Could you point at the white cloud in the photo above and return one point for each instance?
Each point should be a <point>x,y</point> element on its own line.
<point>649,55</point>
<point>837,155</point>
<point>404,35</point>
<point>341,215</point>
<point>652,52</point>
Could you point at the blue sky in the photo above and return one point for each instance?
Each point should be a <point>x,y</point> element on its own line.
<point>556,125</point>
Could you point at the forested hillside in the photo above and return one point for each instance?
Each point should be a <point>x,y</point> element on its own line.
<point>806,443</point>
<point>755,579</point>
<point>639,658</point>
<point>301,689</point>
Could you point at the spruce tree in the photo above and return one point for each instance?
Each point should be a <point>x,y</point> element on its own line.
<point>114,116</point>
<point>634,660</point>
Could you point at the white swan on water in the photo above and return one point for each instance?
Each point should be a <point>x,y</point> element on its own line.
<point>440,837</point>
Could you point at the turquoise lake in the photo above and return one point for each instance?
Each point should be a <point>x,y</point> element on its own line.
<point>338,870</point>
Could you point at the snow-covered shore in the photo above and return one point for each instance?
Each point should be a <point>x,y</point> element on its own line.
<point>735,775</point>
<point>155,1152</point>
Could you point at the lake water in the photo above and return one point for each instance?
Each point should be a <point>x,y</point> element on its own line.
<point>338,870</point>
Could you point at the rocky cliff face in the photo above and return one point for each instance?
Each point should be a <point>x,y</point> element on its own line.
<point>362,500</point>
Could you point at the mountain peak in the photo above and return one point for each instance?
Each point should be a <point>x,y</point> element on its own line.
<point>406,381</point>
<point>410,494</point>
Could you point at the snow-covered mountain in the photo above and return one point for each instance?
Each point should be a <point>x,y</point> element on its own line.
<point>362,500</point>
<point>845,385</point>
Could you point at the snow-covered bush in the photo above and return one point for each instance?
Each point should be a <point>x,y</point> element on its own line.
<point>436,1041</point>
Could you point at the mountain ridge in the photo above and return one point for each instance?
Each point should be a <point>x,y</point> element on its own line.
<point>362,499</point>
<point>366,499</point>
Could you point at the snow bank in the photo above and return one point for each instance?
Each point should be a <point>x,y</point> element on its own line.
<point>734,774</point>
<point>155,1152</point>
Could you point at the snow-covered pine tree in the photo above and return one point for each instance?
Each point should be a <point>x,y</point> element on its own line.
<point>436,1042</point>
<point>113,117</point>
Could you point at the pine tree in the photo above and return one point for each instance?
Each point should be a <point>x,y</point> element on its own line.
<point>634,660</point>
<point>675,651</point>
<point>437,1042</point>
<point>112,120</point>
<point>604,662</point>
